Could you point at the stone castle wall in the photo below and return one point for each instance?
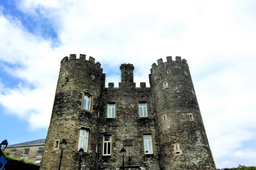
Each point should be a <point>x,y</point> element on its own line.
<point>174,120</point>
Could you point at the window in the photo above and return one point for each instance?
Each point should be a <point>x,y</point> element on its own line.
<point>164,118</point>
<point>13,152</point>
<point>191,117</point>
<point>25,152</point>
<point>37,162</point>
<point>165,85</point>
<point>56,144</point>
<point>148,149</point>
<point>83,139</point>
<point>143,110</point>
<point>87,102</point>
<point>177,149</point>
<point>111,113</point>
<point>106,145</point>
<point>40,151</point>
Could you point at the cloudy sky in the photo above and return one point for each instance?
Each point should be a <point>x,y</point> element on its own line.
<point>217,38</point>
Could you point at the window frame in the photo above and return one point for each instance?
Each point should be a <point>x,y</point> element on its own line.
<point>108,145</point>
<point>146,150</point>
<point>24,153</point>
<point>113,110</point>
<point>176,149</point>
<point>83,139</point>
<point>143,110</point>
<point>165,85</point>
<point>13,152</point>
<point>56,144</point>
<point>88,98</point>
<point>40,151</point>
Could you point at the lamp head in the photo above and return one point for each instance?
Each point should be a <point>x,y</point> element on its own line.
<point>123,151</point>
<point>81,152</point>
<point>4,144</point>
<point>63,144</point>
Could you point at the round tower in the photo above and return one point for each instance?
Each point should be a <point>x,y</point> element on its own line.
<point>75,113</point>
<point>183,143</point>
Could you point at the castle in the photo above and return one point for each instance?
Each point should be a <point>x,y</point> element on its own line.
<point>160,127</point>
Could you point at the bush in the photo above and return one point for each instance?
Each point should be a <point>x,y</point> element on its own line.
<point>20,165</point>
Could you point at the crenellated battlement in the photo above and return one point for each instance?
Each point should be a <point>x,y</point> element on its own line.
<point>168,60</point>
<point>82,57</point>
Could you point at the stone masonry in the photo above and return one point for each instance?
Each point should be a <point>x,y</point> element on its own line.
<point>172,123</point>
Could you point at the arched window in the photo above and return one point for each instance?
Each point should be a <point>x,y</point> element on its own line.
<point>165,85</point>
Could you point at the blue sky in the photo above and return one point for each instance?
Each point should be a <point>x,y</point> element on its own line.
<point>217,38</point>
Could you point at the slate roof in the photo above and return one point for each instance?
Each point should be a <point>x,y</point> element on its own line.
<point>30,143</point>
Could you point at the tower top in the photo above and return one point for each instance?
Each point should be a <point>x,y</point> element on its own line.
<point>126,72</point>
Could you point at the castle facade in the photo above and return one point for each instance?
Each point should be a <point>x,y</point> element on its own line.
<point>160,127</point>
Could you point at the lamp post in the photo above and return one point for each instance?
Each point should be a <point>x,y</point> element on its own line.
<point>3,145</point>
<point>81,152</point>
<point>123,151</point>
<point>63,144</point>
<point>3,161</point>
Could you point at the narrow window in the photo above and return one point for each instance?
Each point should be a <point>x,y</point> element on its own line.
<point>87,102</point>
<point>148,149</point>
<point>191,117</point>
<point>164,118</point>
<point>56,144</point>
<point>111,112</point>
<point>143,110</point>
<point>165,85</point>
<point>83,139</point>
<point>25,152</point>
<point>177,149</point>
<point>106,145</point>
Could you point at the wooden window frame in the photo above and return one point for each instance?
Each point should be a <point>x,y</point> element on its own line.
<point>114,108</point>
<point>107,142</point>
<point>87,141</point>
<point>144,144</point>
<point>145,109</point>
<point>89,94</point>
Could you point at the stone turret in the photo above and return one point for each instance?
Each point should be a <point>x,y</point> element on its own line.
<point>182,138</point>
<point>75,107</point>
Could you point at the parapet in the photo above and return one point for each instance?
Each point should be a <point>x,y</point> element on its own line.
<point>127,66</point>
<point>82,57</point>
<point>111,85</point>
<point>168,60</point>
<point>142,85</point>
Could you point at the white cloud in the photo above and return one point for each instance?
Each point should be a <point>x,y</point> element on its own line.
<point>217,38</point>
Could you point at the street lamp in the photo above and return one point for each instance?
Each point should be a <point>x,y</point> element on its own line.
<point>81,152</point>
<point>3,161</point>
<point>3,145</point>
<point>63,144</point>
<point>123,151</point>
